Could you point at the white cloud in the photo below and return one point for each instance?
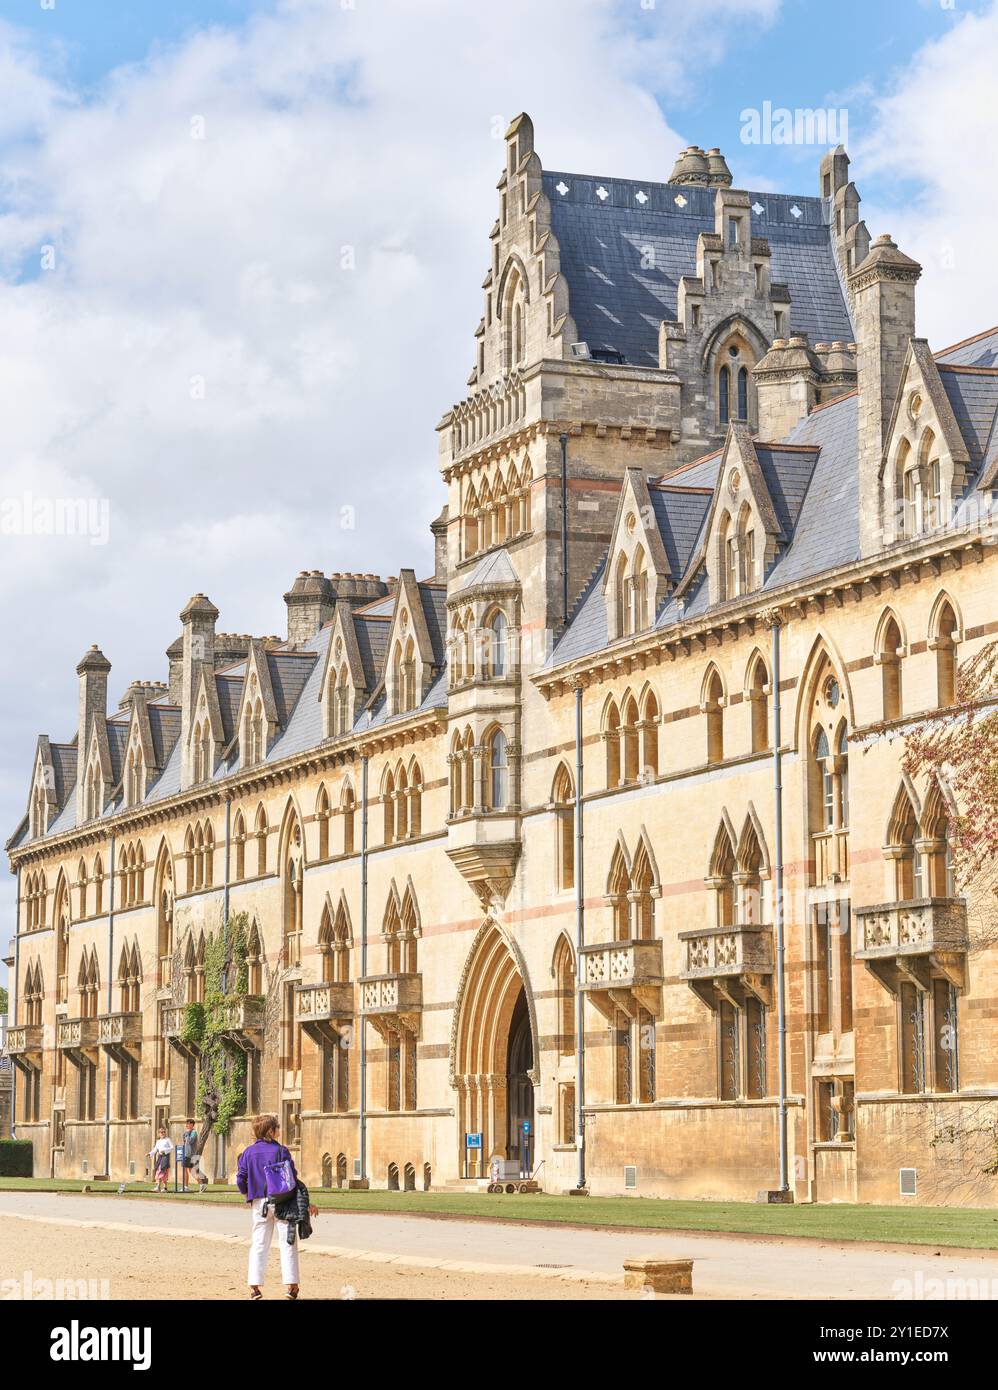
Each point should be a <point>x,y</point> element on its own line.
<point>197,354</point>
<point>934,132</point>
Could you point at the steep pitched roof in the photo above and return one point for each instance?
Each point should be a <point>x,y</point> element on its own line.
<point>979,351</point>
<point>973,394</point>
<point>603,226</point>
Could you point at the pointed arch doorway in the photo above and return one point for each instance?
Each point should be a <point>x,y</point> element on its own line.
<point>494,1052</point>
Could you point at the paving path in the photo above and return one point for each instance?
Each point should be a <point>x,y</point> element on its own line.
<point>732,1266</point>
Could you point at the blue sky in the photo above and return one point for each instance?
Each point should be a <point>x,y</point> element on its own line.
<point>811,53</point>
<point>175,202</point>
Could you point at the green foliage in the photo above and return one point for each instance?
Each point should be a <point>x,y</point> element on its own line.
<point>221,1093</point>
<point>16,1158</point>
<point>4,1002</point>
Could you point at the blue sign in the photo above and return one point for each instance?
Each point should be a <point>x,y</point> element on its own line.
<point>473,1141</point>
<point>526,1126</point>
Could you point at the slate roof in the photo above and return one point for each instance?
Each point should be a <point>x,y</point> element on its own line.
<point>164,725</point>
<point>289,672</point>
<point>434,597</point>
<point>814,488</point>
<point>680,516</point>
<point>372,642</point>
<point>618,304</point>
<point>973,394</point>
<point>494,568</point>
<point>979,351</point>
<point>230,692</point>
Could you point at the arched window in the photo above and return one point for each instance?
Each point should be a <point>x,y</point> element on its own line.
<point>81,885</point>
<point>618,889</point>
<point>294,863</point>
<point>239,842</point>
<point>254,961</point>
<point>388,805</point>
<point>935,845</point>
<point>563,970</point>
<point>261,830</point>
<point>743,393</point>
<point>98,885</point>
<point>347,815</point>
<point>563,799</point>
<point>902,851</point>
<point>164,911</point>
<point>60,915</point>
<point>943,642</point>
<point>415,807</point>
<point>828,779</point>
<point>499,643</point>
<point>642,885</point>
<point>611,740</point>
<point>713,707</point>
<point>721,878</point>
<point>498,771</point>
<point>758,695</point>
<point>622,608</point>
<point>723,391</point>
<point>889,658</point>
<point>650,723</point>
<point>630,740</point>
<point>745,574</point>
<point>322,821</point>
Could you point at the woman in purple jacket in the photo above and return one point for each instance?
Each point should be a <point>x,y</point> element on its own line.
<point>252,1183</point>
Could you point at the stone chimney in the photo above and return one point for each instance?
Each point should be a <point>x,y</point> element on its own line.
<point>310,602</point>
<point>199,619</point>
<point>142,692</point>
<point>786,384</point>
<point>175,666</point>
<point>438,529</point>
<point>709,170</point>
<point>883,290</point>
<point>93,672</point>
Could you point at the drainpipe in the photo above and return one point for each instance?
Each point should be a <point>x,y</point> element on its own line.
<point>363,966</point>
<point>563,439</point>
<point>12,1002</point>
<point>110,1006</point>
<point>220,1141</point>
<point>776,623</point>
<point>580,1044</point>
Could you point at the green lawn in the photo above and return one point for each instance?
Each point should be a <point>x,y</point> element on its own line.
<point>970,1228</point>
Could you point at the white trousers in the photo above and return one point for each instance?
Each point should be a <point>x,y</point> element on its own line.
<point>261,1236</point>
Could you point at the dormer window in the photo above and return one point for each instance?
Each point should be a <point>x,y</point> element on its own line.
<point>404,672</point>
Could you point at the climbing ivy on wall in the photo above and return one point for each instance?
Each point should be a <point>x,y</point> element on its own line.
<point>221,1092</point>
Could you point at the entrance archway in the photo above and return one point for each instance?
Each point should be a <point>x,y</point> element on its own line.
<point>493,1052</point>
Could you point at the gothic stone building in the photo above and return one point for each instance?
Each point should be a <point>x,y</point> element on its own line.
<point>705,485</point>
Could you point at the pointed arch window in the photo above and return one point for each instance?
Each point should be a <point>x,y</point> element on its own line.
<point>713,707</point>
<point>758,694</point>
<point>943,642</point>
<point>564,976</point>
<point>889,659</point>
<point>743,393</point>
<point>723,393</point>
<point>347,816</point>
<point>563,799</point>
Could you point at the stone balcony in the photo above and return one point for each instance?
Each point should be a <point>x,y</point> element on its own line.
<point>623,975</point>
<point>24,1041</point>
<point>319,1006</point>
<point>394,1000</point>
<point>915,940</point>
<point>728,962</point>
<point>242,1019</point>
<point>76,1034</point>
<point>120,1030</point>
